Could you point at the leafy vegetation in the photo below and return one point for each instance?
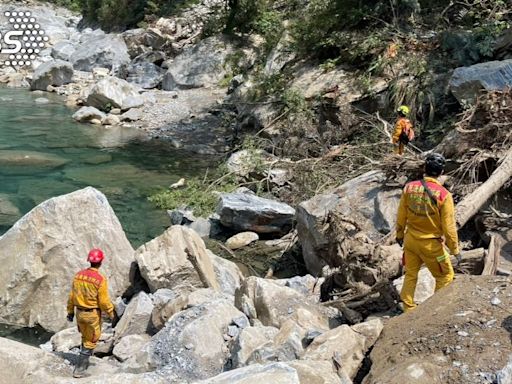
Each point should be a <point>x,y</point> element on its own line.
<point>73,5</point>
<point>198,194</point>
<point>201,193</point>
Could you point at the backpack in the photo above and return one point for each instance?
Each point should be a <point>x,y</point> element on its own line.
<point>407,134</point>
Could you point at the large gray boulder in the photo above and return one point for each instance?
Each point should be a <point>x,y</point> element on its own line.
<point>54,72</point>
<point>63,50</point>
<point>66,339</point>
<point>204,64</point>
<point>248,212</point>
<point>192,345</point>
<point>250,344</point>
<point>364,200</point>
<point>467,83</point>
<point>145,75</point>
<point>41,253</point>
<point>21,363</point>
<point>199,66</point>
<point>311,216</point>
<point>348,345</point>
<point>116,93</point>
<point>136,318</point>
<point>57,22</point>
<point>358,201</point>
<point>177,260</point>
<point>166,303</point>
<point>100,50</point>
<point>70,338</point>
<point>129,345</point>
<point>295,372</point>
<point>142,40</point>
<point>273,304</point>
<point>276,373</point>
<point>281,55</point>
<point>317,372</point>
<point>228,274</point>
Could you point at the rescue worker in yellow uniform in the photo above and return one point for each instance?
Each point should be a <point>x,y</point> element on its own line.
<point>89,295</point>
<point>427,230</point>
<point>404,131</point>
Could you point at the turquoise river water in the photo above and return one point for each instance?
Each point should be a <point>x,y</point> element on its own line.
<point>70,156</point>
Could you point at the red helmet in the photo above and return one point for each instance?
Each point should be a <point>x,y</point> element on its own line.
<point>95,256</point>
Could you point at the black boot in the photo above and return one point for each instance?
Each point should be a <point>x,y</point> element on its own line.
<point>83,362</point>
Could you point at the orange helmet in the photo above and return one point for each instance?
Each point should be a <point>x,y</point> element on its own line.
<point>95,256</point>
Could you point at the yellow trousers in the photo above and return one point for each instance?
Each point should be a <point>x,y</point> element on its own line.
<point>89,325</point>
<point>434,255</point>
<point>399,148</point>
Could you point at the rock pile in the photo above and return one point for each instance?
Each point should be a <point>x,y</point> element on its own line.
<point>202,321</point>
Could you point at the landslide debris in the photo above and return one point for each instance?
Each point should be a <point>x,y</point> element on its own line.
<point>462,334</point>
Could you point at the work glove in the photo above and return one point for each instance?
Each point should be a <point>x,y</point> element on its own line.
<point>400,242</point>
<point>115,320</point>
<point>458,257</point>
<point>71,316</point>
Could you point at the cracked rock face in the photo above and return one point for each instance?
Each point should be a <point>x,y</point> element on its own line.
<point>41,253</point>
<point>347,344</point>
<point>192,345</point>
<point>177,260</point>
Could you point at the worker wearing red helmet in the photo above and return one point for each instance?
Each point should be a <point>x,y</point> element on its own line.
<point>89,295</point>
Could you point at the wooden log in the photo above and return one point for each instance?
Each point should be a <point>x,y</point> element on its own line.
<point>492,258</point>
<point>472,203</point>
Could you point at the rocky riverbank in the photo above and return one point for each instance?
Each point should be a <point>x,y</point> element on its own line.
<point>191,316</point>
<point>137,79</point>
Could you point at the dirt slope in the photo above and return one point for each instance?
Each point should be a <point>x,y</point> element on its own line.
<point>461,335</point>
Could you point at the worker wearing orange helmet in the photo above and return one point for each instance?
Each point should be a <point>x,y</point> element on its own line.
<point>89,295</point>
<point>404,132</point>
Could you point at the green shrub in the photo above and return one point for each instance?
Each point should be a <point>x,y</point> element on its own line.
<point>295,102</point>
<point>73,5</point>
<point>258,16</point>
<point>195,195</point>
<point>113,15</point>
<point>201,194</point>
<point>267,86</point>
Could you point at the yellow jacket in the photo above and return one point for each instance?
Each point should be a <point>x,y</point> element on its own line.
<point>90,290</point>
<point>422,220</point>
<point>402,125</point>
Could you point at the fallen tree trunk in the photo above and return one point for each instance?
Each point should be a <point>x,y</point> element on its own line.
<point>472,203</point>
<point>492,260</point>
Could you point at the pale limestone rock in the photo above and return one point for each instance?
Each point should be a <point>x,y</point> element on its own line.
<point>136,317</point>
<point>241,240</point>
<point>176,260</point>
<point>347,344</point>
<point>192,344</point>
<point>114,92</point>
<point>129,345</point>
<point>50,244</point>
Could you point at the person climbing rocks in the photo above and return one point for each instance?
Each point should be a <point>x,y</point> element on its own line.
<point>404,131</point>
<point>427,230</point>
<point>89,295</point>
